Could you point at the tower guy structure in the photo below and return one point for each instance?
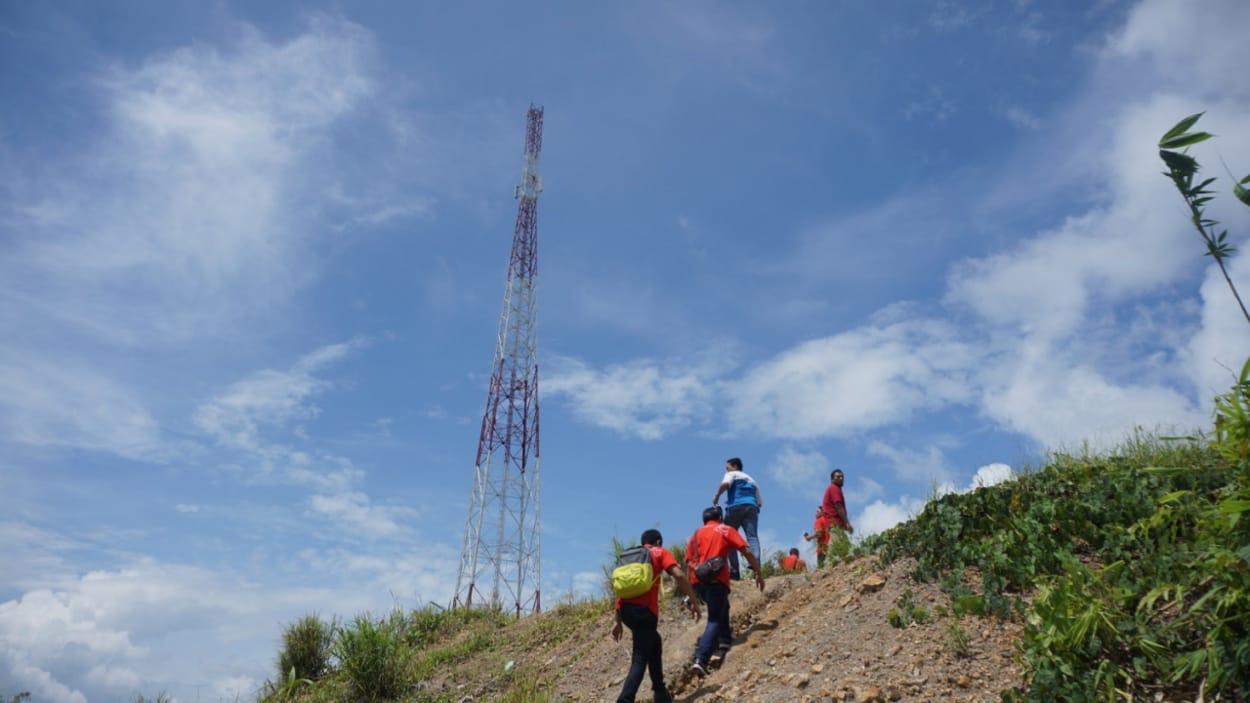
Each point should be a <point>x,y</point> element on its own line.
<point>501,559</point>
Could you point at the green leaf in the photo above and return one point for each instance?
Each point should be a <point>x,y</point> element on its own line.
<point>1182,126</point>
<point>1245,181</point>
<point>1180,163</point>
<point>1242,194</point>
<point>1234,506</point>
<point>1184,140</point>
<point>1170,497</point>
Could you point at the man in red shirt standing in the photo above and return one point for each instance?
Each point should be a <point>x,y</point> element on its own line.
<point>713,541</point>
<point>642,616</point>
<point>832,514</point>
<point>792,564</point>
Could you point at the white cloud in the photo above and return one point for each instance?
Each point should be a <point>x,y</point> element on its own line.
<point>799,470</point>
<point>1022,118</point>
<point>109,632</point>
<point>928,464</point>
<point>854,381</point>
<point>644,399</point>
<point>354,510</point>
<point>881,515</point>
<point>991,475</point>
<point>588,584</point>
<point>68,404</point>
<point>179,220</point>
<point>187,508</point>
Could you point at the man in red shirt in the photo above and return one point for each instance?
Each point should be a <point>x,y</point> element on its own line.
<point>792,564</point>
<point>642,615</point>
<point>832,514</point>
<point>713,541</point>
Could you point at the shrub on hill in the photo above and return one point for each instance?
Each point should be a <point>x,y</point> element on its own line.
<point>305,652</point>
<point>1137,563</point>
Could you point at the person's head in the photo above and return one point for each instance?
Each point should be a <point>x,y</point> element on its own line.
<point>734,464</point>
<point>652,537</point>
<point>794,552</point>
<point>837,477</point>
<point>712,514</point>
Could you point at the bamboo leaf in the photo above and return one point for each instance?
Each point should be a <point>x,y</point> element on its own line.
<point>1185,140</point>
<point>1182,126</point>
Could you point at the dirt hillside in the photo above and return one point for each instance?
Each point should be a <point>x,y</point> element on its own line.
<point>817,637</point>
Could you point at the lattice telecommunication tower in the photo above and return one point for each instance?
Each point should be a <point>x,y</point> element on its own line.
<point>501,560</point>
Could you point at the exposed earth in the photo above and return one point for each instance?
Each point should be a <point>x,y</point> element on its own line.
<point>816,637</point>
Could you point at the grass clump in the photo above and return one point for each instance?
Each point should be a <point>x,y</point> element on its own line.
<point>905,611</point>
<point>373,658</point>
<point>306,647</point>
<point>959,640</point>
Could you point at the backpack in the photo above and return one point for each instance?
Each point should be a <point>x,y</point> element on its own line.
<point>704,571</point>
<point>633,575</point>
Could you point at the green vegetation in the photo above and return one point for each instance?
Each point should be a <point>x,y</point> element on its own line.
<point>373,657</point>
<point>1137,562</point>
<point>959,640</point>
<point>906,612</point>
<point>305,650</point>
<point>403,656</point>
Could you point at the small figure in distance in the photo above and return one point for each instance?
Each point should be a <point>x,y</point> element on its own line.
<point>819,533</point>
<point>642,616</point>
<point>792,564</point>
<point>708,551</point>
<point>743,502</point>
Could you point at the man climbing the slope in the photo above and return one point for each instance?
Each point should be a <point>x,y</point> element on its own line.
<point>641,614</point>
<point>792,564</point>
<point>742,508</point>
<point>708,552</point>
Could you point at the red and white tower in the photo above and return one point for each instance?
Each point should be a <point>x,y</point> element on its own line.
<point>501,560</point>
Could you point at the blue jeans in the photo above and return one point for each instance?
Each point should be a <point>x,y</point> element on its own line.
<point>716,595</point>
<point>748,518</point>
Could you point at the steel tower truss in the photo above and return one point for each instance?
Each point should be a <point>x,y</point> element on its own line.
<point>501,559</point>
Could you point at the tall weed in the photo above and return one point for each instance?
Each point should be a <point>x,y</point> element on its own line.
<point>306,645</point>
<point>374,658</point>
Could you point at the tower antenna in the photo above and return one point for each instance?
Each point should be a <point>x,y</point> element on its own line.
<point>501,559</point>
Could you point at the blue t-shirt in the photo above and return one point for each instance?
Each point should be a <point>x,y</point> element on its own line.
<point>741,489</point>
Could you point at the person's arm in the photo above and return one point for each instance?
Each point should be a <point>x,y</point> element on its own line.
<point>724,486</point>
<point>616,626</point>
<point>759,498</point>
<point>841,507</point>
<point>683,585</point>
<point>754,563</point>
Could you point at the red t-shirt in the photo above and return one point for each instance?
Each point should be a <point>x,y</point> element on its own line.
<point>792,563</point>
<point>833,497</point>
<point>713,540</point>
<point>661,561</point>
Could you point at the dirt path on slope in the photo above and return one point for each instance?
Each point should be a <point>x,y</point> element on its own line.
<point>818,637</point>
<point>823,637</point>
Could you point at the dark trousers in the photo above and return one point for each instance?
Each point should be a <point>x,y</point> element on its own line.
<point>716,595</point>
<point>746,518</point>
<point>648,653</point>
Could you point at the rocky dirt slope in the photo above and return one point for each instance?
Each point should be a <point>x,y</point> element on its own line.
<point>818,637</point>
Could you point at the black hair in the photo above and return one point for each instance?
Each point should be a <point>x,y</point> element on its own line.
<point>712,513</point>
<point>735,462</point>
<point>836,471</point>
<point>652,537</point>
<point>794,551</point>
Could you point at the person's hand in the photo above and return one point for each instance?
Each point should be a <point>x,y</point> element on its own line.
<point>616,632</point>
<point>759,581</point>
<point>695,612</point>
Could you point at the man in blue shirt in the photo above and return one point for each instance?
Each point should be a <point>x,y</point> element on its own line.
<point>742,508</point>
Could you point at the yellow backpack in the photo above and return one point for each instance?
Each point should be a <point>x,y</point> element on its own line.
<point>633,575</point>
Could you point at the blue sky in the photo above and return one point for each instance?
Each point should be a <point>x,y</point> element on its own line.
<point>253,259</point>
